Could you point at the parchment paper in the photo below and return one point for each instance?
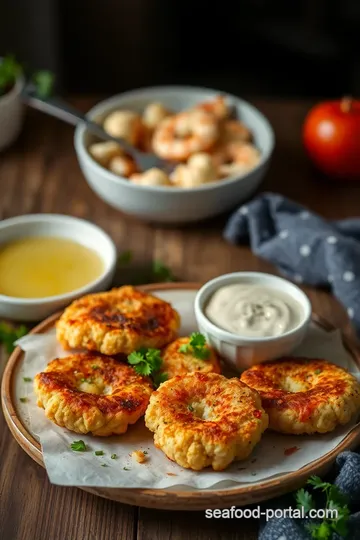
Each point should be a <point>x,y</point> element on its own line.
<point>66,467</point>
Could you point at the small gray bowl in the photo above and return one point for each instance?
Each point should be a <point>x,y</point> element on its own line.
<point>163,204</point>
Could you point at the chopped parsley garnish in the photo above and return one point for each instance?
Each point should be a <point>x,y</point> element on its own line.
<point>113,456</point>
<point>191,408</point>
<point>27,379</point>
<point>9,334</point>
<point>196,346</point>
<point>145,452</point>
<point>95,367</point>
<point>146,361</point>
<point>104,465</point>
<point>317,371</point>
<point>99,453</point>
<point>78,446</point>
<point>23,400</point>
<point>125,257</point>
<point>86,380</point>
<point>335,500</point>
<point>126,469</point>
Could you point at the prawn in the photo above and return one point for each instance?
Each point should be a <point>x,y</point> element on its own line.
<point>217,106</point>
<point>184,134</point>
<point>235,157</point>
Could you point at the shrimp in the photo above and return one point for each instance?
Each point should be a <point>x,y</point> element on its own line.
<point>124,124</point>
<point>104,152</point>
<point>216,106</point>
<point>233,130</point>
<point>199,170</point>
<point>151,177</point>
<point>123,166</point>
<point>153,114</point>
<point>184,134</point>
<point>238,158</point>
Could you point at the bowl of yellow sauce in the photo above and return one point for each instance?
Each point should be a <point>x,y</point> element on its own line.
<point>48,260</point>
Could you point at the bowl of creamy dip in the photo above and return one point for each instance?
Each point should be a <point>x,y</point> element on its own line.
<point>251,317</point>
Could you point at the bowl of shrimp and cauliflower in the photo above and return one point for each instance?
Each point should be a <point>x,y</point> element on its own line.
<point>219,147</point>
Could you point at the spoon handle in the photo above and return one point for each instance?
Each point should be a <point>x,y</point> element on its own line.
<point>64,111</point>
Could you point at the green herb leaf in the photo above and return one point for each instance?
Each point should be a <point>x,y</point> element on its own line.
<point>317,371</point>
<point>304,500</point>
<point>319,532</point>
<point>159,378</point>
<point>125,257</point>
<point>23,400</point>
<point>126,469</point>
<point>196,346</point>
<point>335,500</point>
<point>89,381</point>
<point>146,361</point>
<point>162,272</point>
<point>113,456</point>
<point>10,334</point>
<point>78,446</point>
<point>104,465</point>
<point>27,379</point>
<point>145,452</point>
<point>44,82</point>
<point>95,367</point>
<point>191,408</point>
<point>317,483</point>
<point>99,453</point>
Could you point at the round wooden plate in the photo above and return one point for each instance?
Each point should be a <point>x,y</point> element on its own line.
<point>172,498</point>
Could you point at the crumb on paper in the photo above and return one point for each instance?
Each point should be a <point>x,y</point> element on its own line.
<point>139,456</point>
<point>290,451</point>
<point>171,474</point>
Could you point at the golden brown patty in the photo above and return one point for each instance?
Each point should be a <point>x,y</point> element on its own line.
<point>89,392</point>
<point>119,321</point>
<point>204,419</point>
<point>178,363</point>
<point>304,396</point>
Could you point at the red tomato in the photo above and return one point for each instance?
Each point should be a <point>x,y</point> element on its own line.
<point>331,135</point>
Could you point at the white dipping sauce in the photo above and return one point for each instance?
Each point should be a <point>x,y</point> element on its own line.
<point>253,311</point>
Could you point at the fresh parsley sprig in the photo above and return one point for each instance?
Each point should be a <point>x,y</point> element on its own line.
<point>335,500</point>
<point>148,362</point>
<point>9,334</point>
<point>196,346</point>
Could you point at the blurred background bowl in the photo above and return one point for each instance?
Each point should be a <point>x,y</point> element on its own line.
<point>170,204</point>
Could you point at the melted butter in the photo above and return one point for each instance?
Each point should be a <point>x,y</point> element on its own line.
<point>38,267</point>
<point>253,311</point>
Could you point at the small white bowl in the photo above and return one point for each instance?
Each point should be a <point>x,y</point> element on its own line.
<point>78,230</point>
<point>163,204</point>
<point>11,114</point>
<point>244,352</point>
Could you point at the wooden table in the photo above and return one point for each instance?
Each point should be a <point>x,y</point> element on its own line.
<point>40,174</point>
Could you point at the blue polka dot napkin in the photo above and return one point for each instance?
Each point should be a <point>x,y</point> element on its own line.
<point>348,481</point>
<point>305,247</point>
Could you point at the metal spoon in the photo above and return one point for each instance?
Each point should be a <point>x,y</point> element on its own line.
<point>60,109</point>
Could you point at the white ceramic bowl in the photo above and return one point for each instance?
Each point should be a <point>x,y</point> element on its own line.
<point>244,352</point>
<point>83,232</point>
<point>169,204</point>
<point>11,114</point>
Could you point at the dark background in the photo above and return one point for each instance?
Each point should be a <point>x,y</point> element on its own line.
<point>281,48</point>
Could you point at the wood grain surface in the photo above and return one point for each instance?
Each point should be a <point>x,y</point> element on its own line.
<point>40,174</point>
